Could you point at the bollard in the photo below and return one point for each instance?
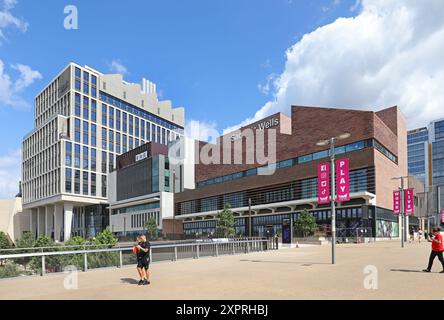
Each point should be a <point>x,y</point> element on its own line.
<point>197,251</point>
<point>217,250</point>
<point>151,255</point>
<point>175,253</point>
<point>43,266</point>
<point>120,259</point>
<point>85,262</point>
<point>233,249</point>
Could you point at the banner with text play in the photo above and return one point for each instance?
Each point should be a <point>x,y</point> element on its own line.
<point>343,180</point>
<point>397,202</point>
<point>324,183</point>
<point>408,202</point>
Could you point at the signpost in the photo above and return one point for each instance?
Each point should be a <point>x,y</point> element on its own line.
<point>397,202</point>
<point>324,183</point>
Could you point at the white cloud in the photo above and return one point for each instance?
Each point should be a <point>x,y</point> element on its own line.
<point>10,174</point>
<point>10,89</point>
<point>7,19</point>
<point>389,54</point>
<point>118,67</point>
<point>201,130</point>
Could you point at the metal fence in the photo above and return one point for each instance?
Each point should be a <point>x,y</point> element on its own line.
<point>80,258</point>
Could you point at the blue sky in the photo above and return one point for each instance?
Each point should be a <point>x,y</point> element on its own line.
<point>208,56</point>
<point>227,62</point>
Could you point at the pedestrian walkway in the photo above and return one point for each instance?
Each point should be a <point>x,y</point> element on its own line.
<point>296,273</point>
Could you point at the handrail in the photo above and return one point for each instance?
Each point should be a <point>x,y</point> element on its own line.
<point>57,253</point>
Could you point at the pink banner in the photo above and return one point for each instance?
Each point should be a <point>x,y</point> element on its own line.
<point>342,180</point>
<point>397,202</point>
<point>409,206</point>
<point>324,183</point>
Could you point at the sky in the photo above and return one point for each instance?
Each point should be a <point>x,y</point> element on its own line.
<point>228,62</point>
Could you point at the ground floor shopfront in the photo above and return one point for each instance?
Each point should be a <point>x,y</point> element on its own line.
<point>362,221</point>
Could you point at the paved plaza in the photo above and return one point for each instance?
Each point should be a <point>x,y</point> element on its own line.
<point>298,273</point>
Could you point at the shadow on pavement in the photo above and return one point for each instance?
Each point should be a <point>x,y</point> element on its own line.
<point>304,264</point>
<point>406,270</point>
<point>129,280</point>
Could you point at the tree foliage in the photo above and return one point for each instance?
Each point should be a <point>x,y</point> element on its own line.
<point>151,228</point>
<point>225,224</point>
<point>4,241</point>
<point>305,224</point>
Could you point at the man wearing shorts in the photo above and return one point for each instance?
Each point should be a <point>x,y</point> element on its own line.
<point>143,260</point>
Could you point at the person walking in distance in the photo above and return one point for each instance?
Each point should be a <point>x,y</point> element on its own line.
<point>143,260</point>
<point>437,250</point>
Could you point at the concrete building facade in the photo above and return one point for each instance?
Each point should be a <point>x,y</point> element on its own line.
<point>84,119</point>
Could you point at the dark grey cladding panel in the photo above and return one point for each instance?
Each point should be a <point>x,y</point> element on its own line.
<point>134,181</point>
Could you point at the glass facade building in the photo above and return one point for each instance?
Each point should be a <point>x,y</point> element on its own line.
<point>83,120</point>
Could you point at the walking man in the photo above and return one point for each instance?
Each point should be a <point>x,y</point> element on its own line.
<point>143,260</point>
<point>437,250</point>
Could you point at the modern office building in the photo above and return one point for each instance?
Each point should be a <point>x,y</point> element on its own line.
<point>426,161</point>
<point>84,119</point>
<point>418,154</point>
<point>142,187</point>
<point>376,148</point>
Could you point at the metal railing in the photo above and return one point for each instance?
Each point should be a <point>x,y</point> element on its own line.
<point>45,262</point>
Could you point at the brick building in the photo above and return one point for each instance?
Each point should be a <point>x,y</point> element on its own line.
<point>376,148</point>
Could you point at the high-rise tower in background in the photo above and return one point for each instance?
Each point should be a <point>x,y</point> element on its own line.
<point>83,120</point>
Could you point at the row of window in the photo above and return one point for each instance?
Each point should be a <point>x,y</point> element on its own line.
<point>138,221</point>
<point>300,160</point>
<point>83,182</point>
<point>89,82</point>
<point>142,207</point>
<point>360,180</point>
<point>123,105</point>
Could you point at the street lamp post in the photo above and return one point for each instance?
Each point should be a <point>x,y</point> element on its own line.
<point>402,224</point>
<point>174,204</point>
<point>332,141</point>
<point>249,218</point>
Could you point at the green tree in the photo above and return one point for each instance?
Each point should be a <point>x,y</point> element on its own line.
<point>225,224</point>
<point>151,228</point>
<point>305,224</point>
<point>52,263</point>
<point>26,241</point>
<point>4,241</point>
<point>105,237</point>
<point>77,243</point>
<point>10,270</point>
<point>104,240</point>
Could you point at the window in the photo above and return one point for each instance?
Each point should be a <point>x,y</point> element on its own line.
<point>85,108</point>
<point>124,119</point>
<point>68,149</point>
<point>103,186</point>
<point>77,130</point>
<point>118,143</point>
<point>104,166</point>
<point>355,146</point>
<point>93,110</point>
<point>93,135</point>
<point>93,159</point>
<point>68,180</point>
<point>111,140</point>
<point>111,118</point>
<point>142,129</point>
<point>77,182</point>
<point>93,184</point>
<point>111,162</point>
<point>306,158</point>
<point>77,105</point>
<point>104,114</point>
<point>163,136</point>
<point>131,125</point>
<point>77,156</point>
<point>125,143</point>
<point>137,132</point>
<point>78,72</point>
<point>85,158</point>
<point>85,183</point>
<point>104,139</point>
<point>85,132</point>
<point>118,113</point>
